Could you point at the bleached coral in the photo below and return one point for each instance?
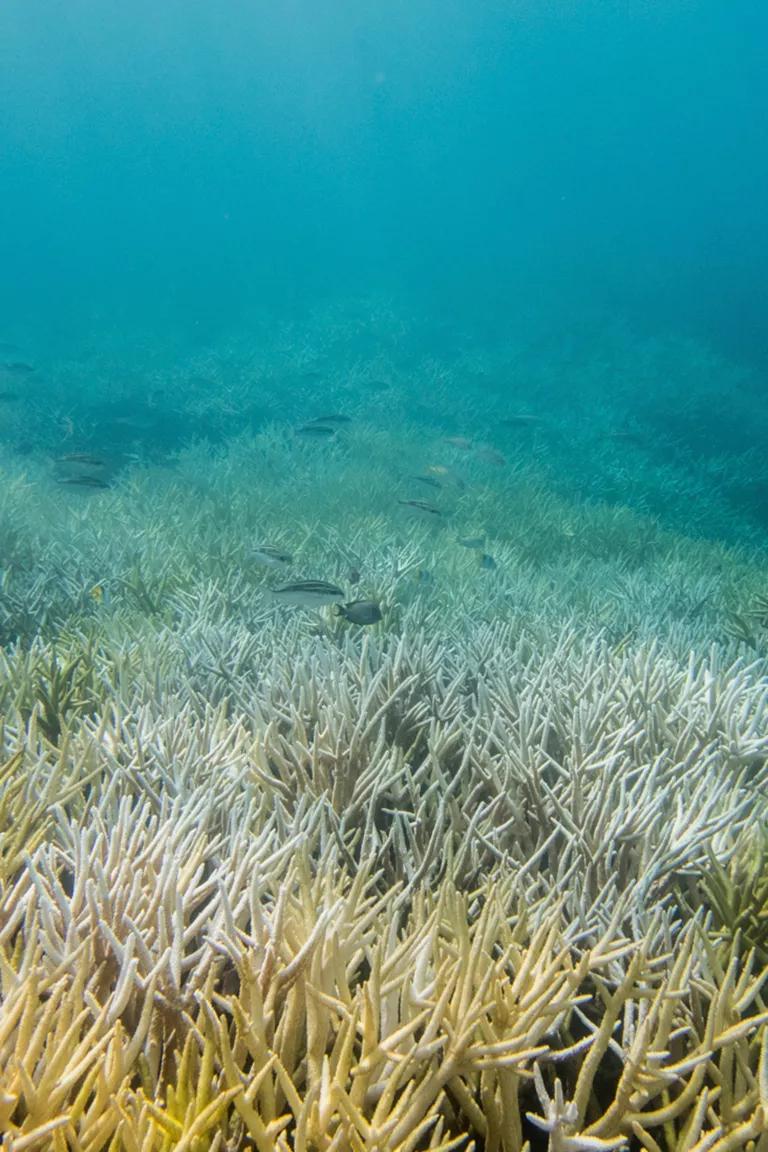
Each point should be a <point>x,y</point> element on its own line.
<point>268,881</point>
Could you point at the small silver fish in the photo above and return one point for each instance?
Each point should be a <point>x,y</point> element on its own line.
<point>430,481</point>
<point>473,542</point>
<point>448,475</point>
<point>318,431</point>
<point>421,508</point>
<point>84,458</point>
<point>309,593</point>
<point>360,612</point>
<point>271,557</point>
<point>17,368</point>
<point>491,455</point>
<point>520,420</point>
<point>331,418</point>
<point>84,481</point>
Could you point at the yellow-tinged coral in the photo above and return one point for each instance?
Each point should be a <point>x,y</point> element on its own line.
<point>319,1017</point>
<point>489,874</point>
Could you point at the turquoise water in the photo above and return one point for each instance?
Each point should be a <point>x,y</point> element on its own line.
<point>184,165</point>
<point>557,206</point>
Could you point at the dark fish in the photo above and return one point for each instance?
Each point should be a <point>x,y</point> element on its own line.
<point>471,541</point>
<point>487,562</point>
<point>520,420</point>
<point>8,397</point>
<point>17,368</point>
<point>312,374</point>
<point>136,422</point>
<point>425,577</point>
<point>321,431</point>
<point>354,576</point>
<point>272,557</point>
<point>309,593</point>
<point>491,455</point>
<point>81,458</point>
<point>332,418</point>
<point>6,348</point>
<point>421,508</point>
<point>360,612</point>
<point>84,481</point>
<point>430,481</point>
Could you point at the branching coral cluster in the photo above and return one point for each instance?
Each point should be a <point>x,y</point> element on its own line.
<point>393,896</point>
<point>490,873</point>
<point>166,984</point>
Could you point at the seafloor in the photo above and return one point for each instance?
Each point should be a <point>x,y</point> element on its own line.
<point>492,871</point>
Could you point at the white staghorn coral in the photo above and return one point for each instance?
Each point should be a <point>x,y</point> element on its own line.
<point>270,881</point>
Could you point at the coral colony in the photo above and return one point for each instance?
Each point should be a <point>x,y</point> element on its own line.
<point>483,865</point>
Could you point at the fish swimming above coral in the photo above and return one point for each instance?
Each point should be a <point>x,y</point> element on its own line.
<point>331,418</point>
<point>17,368</point>
<point>447,475</point>
<point>309,593</point>
<point>422,509</point>
<point>271,557</point>
<point>361,612</point>
<point>86,459</point>
<point>86,480</point>
<point>520,420</point>
<point>491,455</point>
<point>313,431</point>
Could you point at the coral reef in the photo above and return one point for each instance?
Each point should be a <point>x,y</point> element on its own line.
<point>489,874</point>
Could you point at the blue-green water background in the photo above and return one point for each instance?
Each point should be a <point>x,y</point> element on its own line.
<point>180,173</point>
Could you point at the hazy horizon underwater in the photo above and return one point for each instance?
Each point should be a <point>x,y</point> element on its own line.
<point>383,576</point>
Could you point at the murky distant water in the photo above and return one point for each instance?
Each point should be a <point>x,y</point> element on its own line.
<point>573,191</point>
